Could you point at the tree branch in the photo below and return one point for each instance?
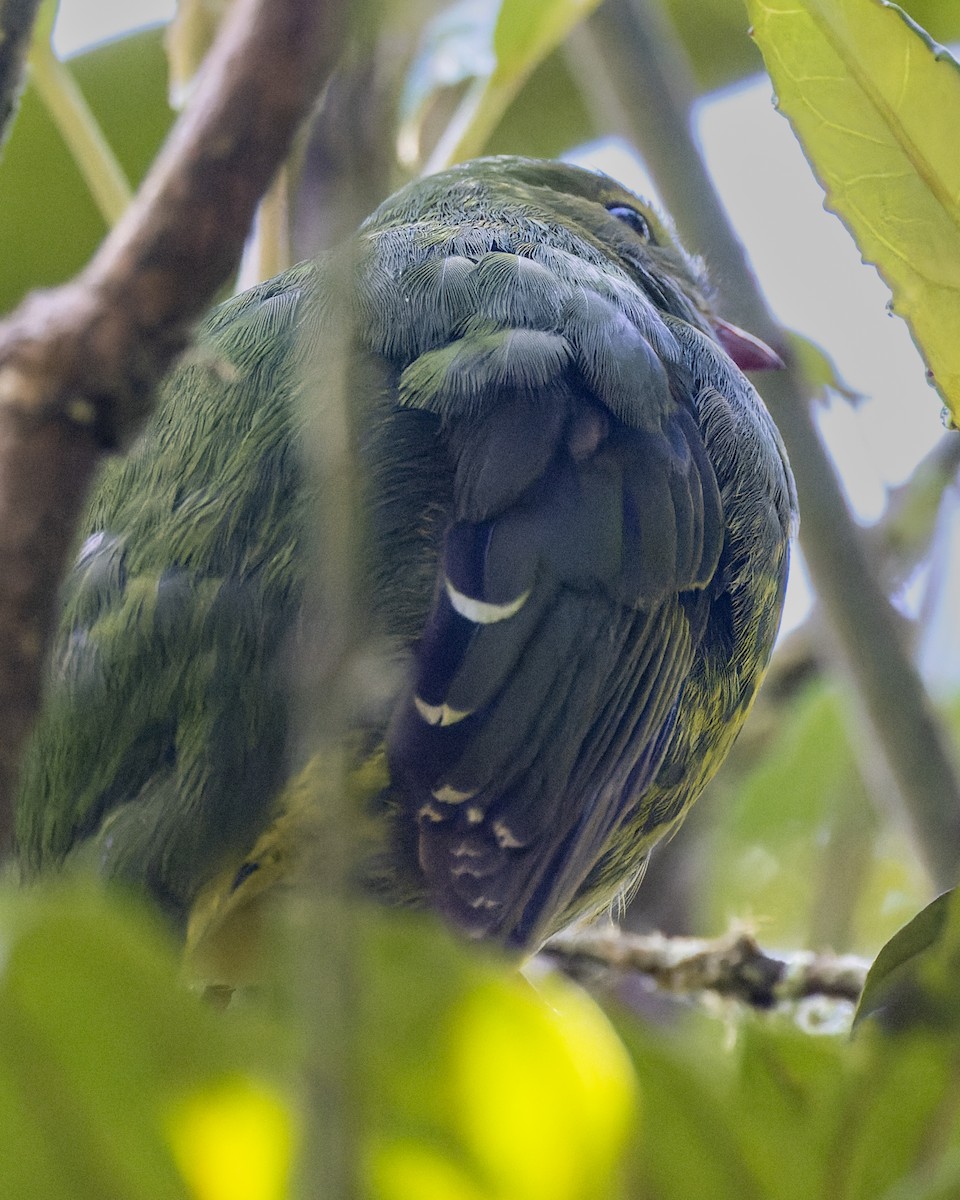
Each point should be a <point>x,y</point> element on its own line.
<point>16,26</point>
<point>733,966</point>
<point>79,366</point>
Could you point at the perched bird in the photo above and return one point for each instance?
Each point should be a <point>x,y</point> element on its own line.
<point>578,514</point>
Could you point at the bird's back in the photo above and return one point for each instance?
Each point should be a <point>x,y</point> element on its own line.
<point>578,514</point>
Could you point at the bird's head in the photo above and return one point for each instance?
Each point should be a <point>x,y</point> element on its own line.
<point>560,202</point>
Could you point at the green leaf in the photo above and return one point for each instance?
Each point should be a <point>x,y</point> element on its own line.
<point>551,89</point>
<point>876,105</point>
<point>49,226</point>
<point>107,1065</point>
<point>820,370</point>
<point>789,1094</point>
<point>937,1181</point>
<point>794,844</point>
<point>772,826</point>
<point>690,1143</point>
<point>900,1111</point>
<point>767,1110</point>
<point>81,132</point>
<point>940,17</point>
<point>526,32</point>
<point>894,986</point>
<point>714,35</point>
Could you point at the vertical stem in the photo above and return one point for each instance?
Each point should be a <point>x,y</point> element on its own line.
<point>267,251</point>
<point>324,926</point>
<point>330,945</point>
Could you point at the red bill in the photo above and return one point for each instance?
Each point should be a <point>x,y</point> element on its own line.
<point>747,351</point>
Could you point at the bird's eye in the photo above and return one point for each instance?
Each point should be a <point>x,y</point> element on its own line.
<point>636,220</point>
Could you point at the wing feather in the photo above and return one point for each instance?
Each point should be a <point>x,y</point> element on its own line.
<point>548,676</point>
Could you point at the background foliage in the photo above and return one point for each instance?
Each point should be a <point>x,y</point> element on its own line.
<point>463,1078</point>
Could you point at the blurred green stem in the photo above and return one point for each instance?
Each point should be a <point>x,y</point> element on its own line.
<point>358,164</point>
<point>844,864</point>
<point>469,130</point>
<point>267,251</point>
<point>643,60</point>
<point>324,943</point>
<point>79,129</point>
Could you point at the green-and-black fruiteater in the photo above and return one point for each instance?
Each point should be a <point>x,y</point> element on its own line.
<point>578,514</point>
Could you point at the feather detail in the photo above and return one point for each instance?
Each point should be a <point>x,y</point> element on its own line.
<point>468,375</point>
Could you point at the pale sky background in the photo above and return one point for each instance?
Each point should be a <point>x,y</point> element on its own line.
<point>83,23</point>
<point>810,270</point>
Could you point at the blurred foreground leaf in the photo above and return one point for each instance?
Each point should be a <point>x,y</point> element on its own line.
<point>116,1082</point>
<point>691,1143</point>
<point>480,1084</point>
<point>100,1048</point>
<point>795,845</point>
<point>876,104</point>
<point>774,1113</point>
<point>234,1141</point>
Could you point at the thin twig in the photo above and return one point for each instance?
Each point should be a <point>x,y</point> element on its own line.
<point>733,966</point>
<point>16,26</point>
<point>641,52</point>
<point>79,365</point>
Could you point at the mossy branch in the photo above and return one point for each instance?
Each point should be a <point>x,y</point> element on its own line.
<point>733,966</point>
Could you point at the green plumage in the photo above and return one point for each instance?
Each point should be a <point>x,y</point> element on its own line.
<point>578,513</point>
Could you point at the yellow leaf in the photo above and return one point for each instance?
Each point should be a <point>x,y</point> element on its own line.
<point>403,1169</point>
<point>234,1141</point>
<point>876,106</point>
<point>543,1089</point>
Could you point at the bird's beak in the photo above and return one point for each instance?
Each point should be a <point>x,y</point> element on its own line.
<point>747,351</point>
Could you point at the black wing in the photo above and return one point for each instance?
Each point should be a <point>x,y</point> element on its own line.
<point>572,590</point>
